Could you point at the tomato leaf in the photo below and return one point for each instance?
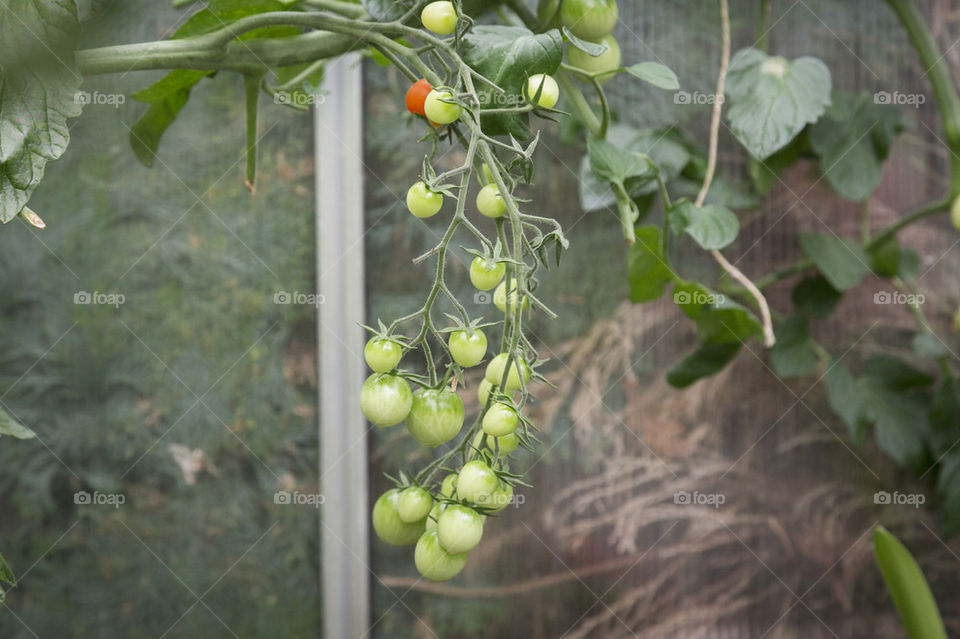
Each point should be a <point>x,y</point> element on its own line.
<point>711,226</point>
<point>615,164</point>
<point>793,355</point>
<point>590,48</point>
<point>647,266</point>
<point>842,261</point>
<point>388,10</point>
<point>772,99</point>
<point>659,75</point>
<point>815,296</point>
<point>708,359</point>
<point>38,94</point>
<point>853,140</point>
<point>908,587</point>
<point>846,398</point>
<point>13,428</point>
<point>508,56</point>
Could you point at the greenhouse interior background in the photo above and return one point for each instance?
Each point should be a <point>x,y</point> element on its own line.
<point>218,380</point>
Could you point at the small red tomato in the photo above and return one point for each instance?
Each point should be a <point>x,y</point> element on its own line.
<point>416,95</point>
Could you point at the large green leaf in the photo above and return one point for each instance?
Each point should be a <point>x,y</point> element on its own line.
<point>718,319</point>
<point>38,93</point>
<point>899,413</point>
<point>842,261</point>
<point>616,164</point>
<point>846,398</point>
<point>13,428</point>
<point>711,226</point>
<point>708,359</point>
<point>772,99</point>
<point>508,56</point>
<point>659,75</point>
<point>908,587</point>
<point>647,268</point>
<point>853,140</point>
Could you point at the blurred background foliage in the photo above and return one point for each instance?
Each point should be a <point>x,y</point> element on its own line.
<point>195,398</point>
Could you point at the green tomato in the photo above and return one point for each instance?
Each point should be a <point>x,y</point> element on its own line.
<point>500,297</point>
<point>440,108</point>
<point>439,17</point>
<point>609,60</point>
<point>494,372</point>
<point>448,488</point>
<point>501,497</point>
<point>548,13</point>
<point>955,213</point>
<point>436,416</point>
<point>490,203</point>
<point>589,19</point>
<point>548,88</point>
<point>459,529</point>
<point>434,516</point>
<point>423,202</point>
<point>500,420</point>
<point>414,504</point>
<point>435,563</point>
<point>382,355</point>
<point>385,399</point>
<point>476,482</point>
<point>483,391</point>
<point>485,274</point>
<point>506,444</point>
<point>468,348</point>
<point>388,525</point>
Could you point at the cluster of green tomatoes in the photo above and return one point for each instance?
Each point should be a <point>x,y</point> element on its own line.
<point>590,20</point>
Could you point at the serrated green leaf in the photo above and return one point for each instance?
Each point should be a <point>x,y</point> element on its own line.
<point>38,94</point>
<point>839,259</point>
<point>647,268</point>
<point>772,99</point>
<point>659,75</point>
<point>711,226</point>
<point>853,140</point>
<point>793,355</point>
<point>815,296</point>
<point>708,359</point>
<point>908,587</point>
<point>13,428</point>
<point>508,56</point>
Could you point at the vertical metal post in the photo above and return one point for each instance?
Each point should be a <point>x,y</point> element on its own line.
<point>343,443</point>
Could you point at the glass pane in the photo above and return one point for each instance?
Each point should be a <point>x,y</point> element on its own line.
<point>171,388</point>
<point>607,543</point>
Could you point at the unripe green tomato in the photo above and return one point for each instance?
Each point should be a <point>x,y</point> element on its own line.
<point>435,563</point>
<point>385,399</point>
<point>435,416</point>
<point>589,19</point>
<point>468,348</point>
<point>440,108</point>
<point>609,60</point>
<point>414,504</point>
<point>476,481</point>
<point>500,297</point>
<point>448,488</point>
<point>955,213</point>
<point>548,13</point>
<point>483,391</point>
<point>506,444</point>
<point>490,203</point>
<point>423,202</point>
<point>494,372</point>
<point>547,87</point>
<point>388,525</point>
<point>485,274</point>
<point>500,420</point>
<point>459,529</point>
<point>382,355</point>
<point>439,17</point>
<point>500,498</point>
